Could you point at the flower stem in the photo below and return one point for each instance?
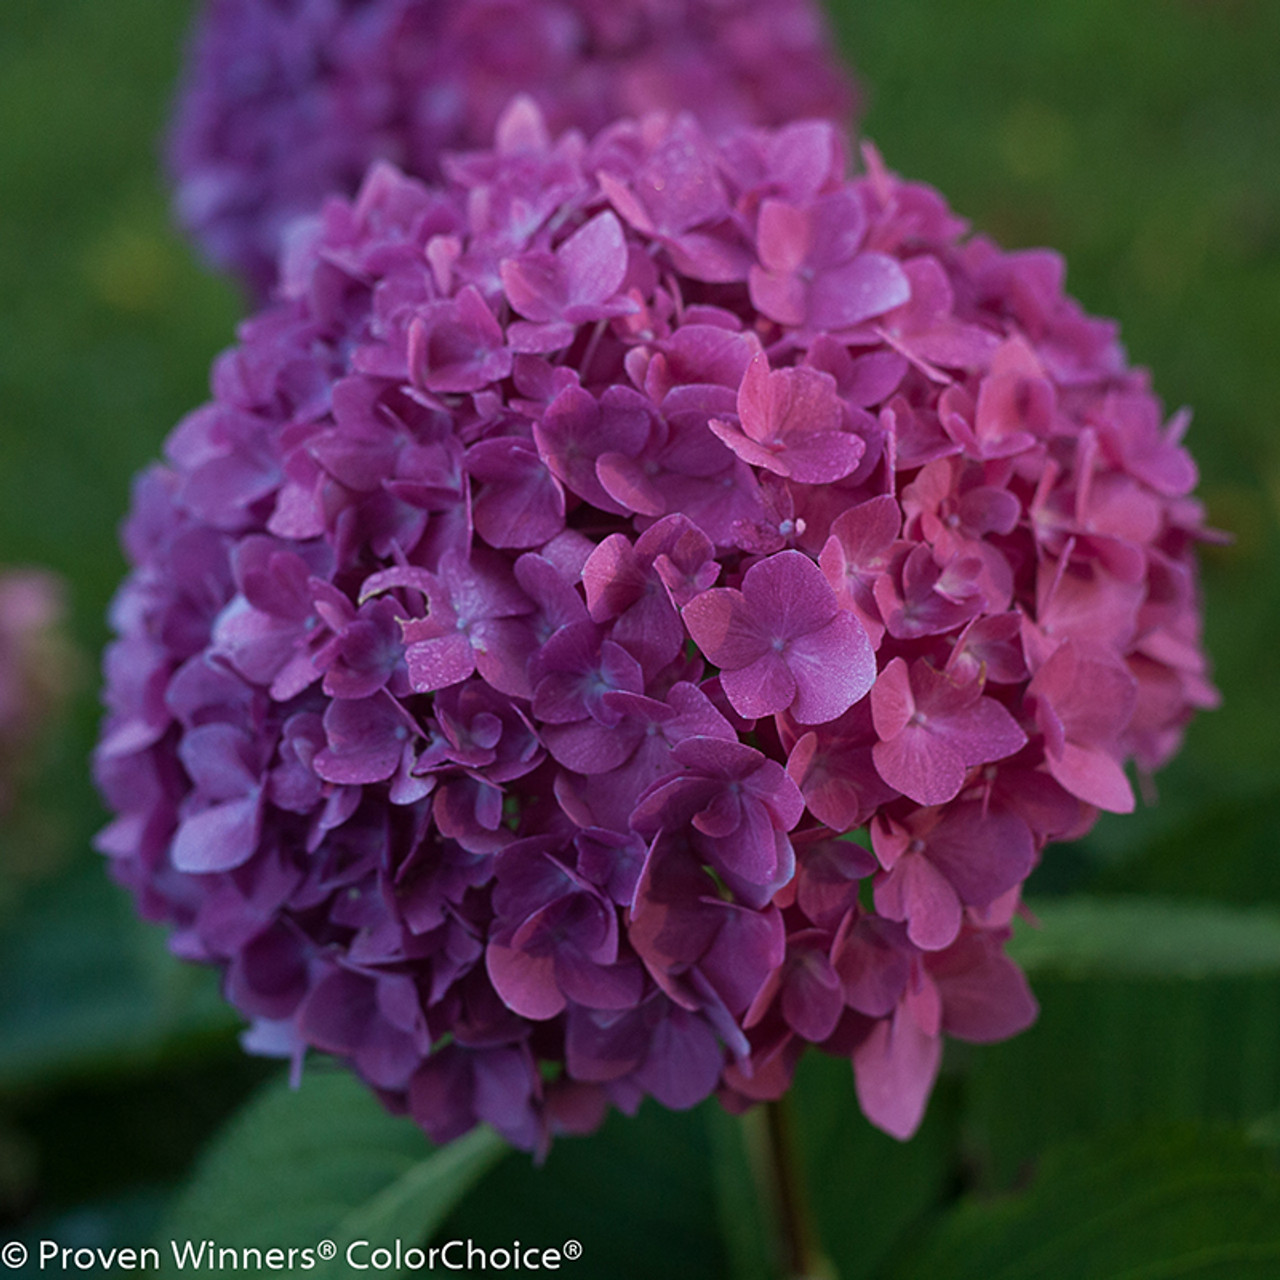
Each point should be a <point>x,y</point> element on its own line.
<point>782,1190</point>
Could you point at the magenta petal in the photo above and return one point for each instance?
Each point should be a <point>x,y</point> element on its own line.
<point>762,689</point>
<point>781,296</point>
<point>749,945</point>
<point>215,757</point>
<point>651,631</point>
<point>439,662</point>
<point>985,996</point>
<point>366,738</point>
<point>256,644</point>
<point>833,668</point>
<point>750,451</point>
<point>534,285</point>
<point>520,503</point>
<point>684,1062</point>
<point>870,285</point>
<point>526,983</point>
<point>789,593</point>
<point>588,747</point>
<point>921,765</point>
<point>984,732</point>
<point>603,1047</point>
<point>502,652</point>
<point>894,1069</point>
<point>721,817</point>
<point>917,892</point>
<point>600,986</point>
<point>724,628</point>
<point>812,999</point>
<point>595,259</point>
<point>892,702</point>
<point>219,838</point>
<point>752,851</point>
<point>375,763</point>
<point>874,966</point>
<point>784,236</point>
<point>625,481</point>
<point>1093,775</point>
<point>773,404</point>
<point>983,851</point>
<point>840,783</point>
<point>822,457</point>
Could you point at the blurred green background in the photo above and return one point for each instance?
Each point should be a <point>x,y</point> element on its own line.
<point>1141,138</point>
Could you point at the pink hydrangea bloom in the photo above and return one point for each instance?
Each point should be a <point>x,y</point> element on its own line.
<point>35,666</point>
<point>284,102</point>
<point>568,564</point>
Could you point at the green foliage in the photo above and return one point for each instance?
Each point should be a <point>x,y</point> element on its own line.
<point>1226,850</point>
<point>869,1192</point>
<point>1182,1203</point>
<point>1107,1052</point>
<point>1163,1011</point>
<point>639,1196</point>
<point>1147,938</point>
<point>88,986</point>
<point>324,1163</point>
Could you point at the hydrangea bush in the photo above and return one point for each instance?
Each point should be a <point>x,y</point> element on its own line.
<point>287,101</point>
<point>633,611</point>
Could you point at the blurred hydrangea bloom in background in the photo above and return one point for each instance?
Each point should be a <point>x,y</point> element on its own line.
<point>288,101</point>
<point>35,668</point>
<point>573,558</point>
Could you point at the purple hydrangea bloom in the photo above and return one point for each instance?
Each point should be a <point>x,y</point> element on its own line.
<point>287,101</point>
<point>569,564</point>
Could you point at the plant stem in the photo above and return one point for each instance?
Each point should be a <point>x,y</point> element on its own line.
<point>782,1192</point>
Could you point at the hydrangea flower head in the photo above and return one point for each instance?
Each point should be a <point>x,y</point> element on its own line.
<point>573,560</point>
<point>287,101</point>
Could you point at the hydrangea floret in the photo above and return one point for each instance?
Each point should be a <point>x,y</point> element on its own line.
<point>574,560</point>
<point>284,102</point>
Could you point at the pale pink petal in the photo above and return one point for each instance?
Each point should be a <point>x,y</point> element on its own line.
<point>1093,775</point>
<point>894,1069</point>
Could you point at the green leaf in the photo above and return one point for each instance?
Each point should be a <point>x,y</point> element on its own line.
<point>1240,824</point>
<point>412,1207</point>
<point>637,1196</point>
<point>1180,1203</point>
<point>324,1163</point>
<point>88,985</point>
<point>120,1221</point>
<point>1151,1011</point>
<point>868,1191</point>
<point>1110,1051</point>
<point>1265,1131</point>
<point>1144,937</point>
